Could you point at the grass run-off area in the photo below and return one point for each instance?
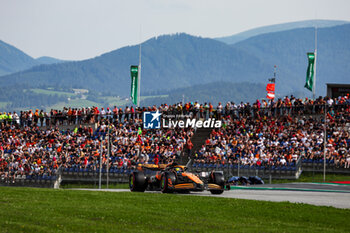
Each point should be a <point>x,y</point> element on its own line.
<point>49,210</point>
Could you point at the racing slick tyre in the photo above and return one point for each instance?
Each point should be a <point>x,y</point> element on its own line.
<point>217,178</point>
<point>167,181</point>
<point>137,182</point>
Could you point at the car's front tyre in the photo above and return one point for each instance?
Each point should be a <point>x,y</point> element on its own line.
<point>218,179</point>
<point>167,182</point>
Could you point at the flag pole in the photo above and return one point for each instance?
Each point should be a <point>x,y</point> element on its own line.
<point>274,76</point>
<point>324,142</point>
<point>314,83</point>
<point>139,78</point>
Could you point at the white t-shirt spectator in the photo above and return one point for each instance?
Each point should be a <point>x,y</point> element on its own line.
<point>283,161</point>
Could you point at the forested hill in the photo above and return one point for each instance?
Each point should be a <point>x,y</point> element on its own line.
<point>179,62</point>
<point>212,92</point>
<point>288,51</point>
<point>168,62</point>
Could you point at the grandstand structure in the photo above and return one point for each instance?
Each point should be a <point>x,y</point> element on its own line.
<point>334,90</point>
<point>276,140</point>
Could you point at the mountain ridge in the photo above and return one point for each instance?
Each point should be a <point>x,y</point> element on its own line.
<point>288,52</point>
<point>235,38</point>
<point>14,60</point>
<point>180,62</point>
<point>168,62</point>
<point>46,60</point>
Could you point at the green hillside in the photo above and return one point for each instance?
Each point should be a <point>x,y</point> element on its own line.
<point>212,92</point>
<point>20,97</point>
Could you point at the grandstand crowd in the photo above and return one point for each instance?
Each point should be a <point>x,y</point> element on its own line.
<point>72,116</point>
<point>266,133</point>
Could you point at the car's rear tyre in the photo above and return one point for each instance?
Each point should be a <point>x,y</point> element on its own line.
<point>137,182</point>
<point>216,191</point>
<point>165,185</point>
<point>218,179</point>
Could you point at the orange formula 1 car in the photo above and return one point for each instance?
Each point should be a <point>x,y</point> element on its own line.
<point>174,178</point>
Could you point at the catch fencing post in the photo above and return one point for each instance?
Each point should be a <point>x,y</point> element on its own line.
<point>100,175</point>
<point>239,164</point>
<point>108,148</point>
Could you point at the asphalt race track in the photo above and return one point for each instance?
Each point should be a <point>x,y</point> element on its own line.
<point>325,187</point>
<point>309,193</point>
<point>338,200</point>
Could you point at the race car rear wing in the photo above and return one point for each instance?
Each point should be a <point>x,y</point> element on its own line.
<point>188,163</point>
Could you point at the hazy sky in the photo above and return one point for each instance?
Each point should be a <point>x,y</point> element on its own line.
<point>80,29</point>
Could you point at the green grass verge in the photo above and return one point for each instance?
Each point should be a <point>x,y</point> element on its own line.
<point>48,210</point>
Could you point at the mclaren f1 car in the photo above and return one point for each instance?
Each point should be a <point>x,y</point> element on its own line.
<point>174,178</point>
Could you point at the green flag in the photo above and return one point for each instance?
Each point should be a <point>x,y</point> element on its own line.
<point>310,72</point>
<point>139,132</point>
<point>134,83</point>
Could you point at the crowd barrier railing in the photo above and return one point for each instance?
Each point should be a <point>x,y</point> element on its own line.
<point>317,165</point>
<point>249,111</point>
